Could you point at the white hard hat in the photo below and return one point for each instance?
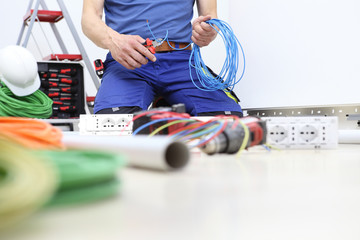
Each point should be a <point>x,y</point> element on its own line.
<point>18,70</point>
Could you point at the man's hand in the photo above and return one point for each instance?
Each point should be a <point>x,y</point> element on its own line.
<point>202,34</point>
<point>129,51</point>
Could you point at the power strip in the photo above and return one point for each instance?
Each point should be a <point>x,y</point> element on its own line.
<point>106,124</point>
<point>302,132</point>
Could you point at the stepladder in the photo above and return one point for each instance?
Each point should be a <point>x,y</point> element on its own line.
<point>35,14</point>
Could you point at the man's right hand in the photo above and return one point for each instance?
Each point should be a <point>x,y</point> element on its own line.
<point>129,51</point>
<point>126,49</point>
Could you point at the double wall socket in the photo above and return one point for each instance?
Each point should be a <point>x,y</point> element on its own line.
<point>106,124</point>
<point>302,132</point>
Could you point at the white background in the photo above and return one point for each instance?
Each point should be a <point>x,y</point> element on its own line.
<point>298,52</point>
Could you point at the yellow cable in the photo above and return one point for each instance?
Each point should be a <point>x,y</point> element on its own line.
<point>27,183</point>
<point>168,125</point>
<point>246,137</point>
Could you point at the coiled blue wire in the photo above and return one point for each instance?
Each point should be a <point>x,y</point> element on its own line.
<point>226,79</point>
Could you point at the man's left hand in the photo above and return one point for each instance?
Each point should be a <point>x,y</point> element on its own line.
<point>202,34</point>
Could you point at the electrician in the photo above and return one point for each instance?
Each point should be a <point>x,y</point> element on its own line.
<point>133,76</point>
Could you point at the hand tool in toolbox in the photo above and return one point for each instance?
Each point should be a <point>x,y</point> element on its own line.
<point>62,80</point>
<point>152,44</point>
<point>47,84</point>
<point>57,94</point>
<point>65,109</point>
<point>53,75</point>
<point>69,99</point>
<point>65,71</point>
<point>63,89</point>
<point>61,115</point>
<point>62,103</point>
<point>99,68</point>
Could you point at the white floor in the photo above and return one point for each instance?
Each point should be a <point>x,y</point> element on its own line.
<point>294,194</point>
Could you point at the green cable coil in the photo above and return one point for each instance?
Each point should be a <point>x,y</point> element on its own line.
<point>84,176</point>
<point>36,105</point>
<point>31,180</point>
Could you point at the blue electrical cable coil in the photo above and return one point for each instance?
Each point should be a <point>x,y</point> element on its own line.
<point>226,79</point>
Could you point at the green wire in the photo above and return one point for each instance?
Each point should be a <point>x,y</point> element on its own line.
<point>84,176</point>
<point>36,105</point>
<point>87,194</point>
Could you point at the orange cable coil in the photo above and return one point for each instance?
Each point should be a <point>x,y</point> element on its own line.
<point>31,133</point>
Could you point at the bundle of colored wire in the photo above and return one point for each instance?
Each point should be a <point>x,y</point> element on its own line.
<point>203,132</point>
<point>36,105</point>
<point>195,132</point>
<point>31,133</point>
<point>226,79</point>
<point>27,183</point>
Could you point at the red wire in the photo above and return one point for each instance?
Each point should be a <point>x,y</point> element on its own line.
<point>191,126</point>
<point>145,113</point>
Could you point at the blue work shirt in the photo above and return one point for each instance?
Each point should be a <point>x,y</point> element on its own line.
<point>130,16</point>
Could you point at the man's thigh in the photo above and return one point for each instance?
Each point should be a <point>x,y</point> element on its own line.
<point>121,87</point>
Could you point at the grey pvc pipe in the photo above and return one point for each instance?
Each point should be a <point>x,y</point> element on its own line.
<point>157,152</point>
<point>349,136</point>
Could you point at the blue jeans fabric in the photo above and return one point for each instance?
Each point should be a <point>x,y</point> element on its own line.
<point>168,77</point>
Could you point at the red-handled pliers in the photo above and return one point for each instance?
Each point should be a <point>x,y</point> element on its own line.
<point>151,45</point>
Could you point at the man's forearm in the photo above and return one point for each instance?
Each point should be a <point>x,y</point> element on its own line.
<point>128,50</point>
<point>207,7</point>
<point>93,26</point>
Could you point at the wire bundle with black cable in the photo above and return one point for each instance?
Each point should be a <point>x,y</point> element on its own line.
<point>36,105</point>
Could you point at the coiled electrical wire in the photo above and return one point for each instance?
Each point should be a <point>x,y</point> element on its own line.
<point>36,105</point>
<point>226,79</point>
<point>84,176</point>
<point>27,182</point>
<point>31,133</point>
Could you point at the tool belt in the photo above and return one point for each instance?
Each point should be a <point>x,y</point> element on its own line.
<point>166,48</point>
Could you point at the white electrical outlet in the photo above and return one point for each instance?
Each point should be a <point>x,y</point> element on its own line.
<point>302,132</point>
<point>106,124</point>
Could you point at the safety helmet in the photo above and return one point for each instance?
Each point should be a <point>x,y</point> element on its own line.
<point>19,70</point>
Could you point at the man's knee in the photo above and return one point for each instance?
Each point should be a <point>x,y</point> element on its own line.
<point>119,110</point>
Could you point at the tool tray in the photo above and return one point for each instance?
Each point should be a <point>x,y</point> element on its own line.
<point>64,84</point>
